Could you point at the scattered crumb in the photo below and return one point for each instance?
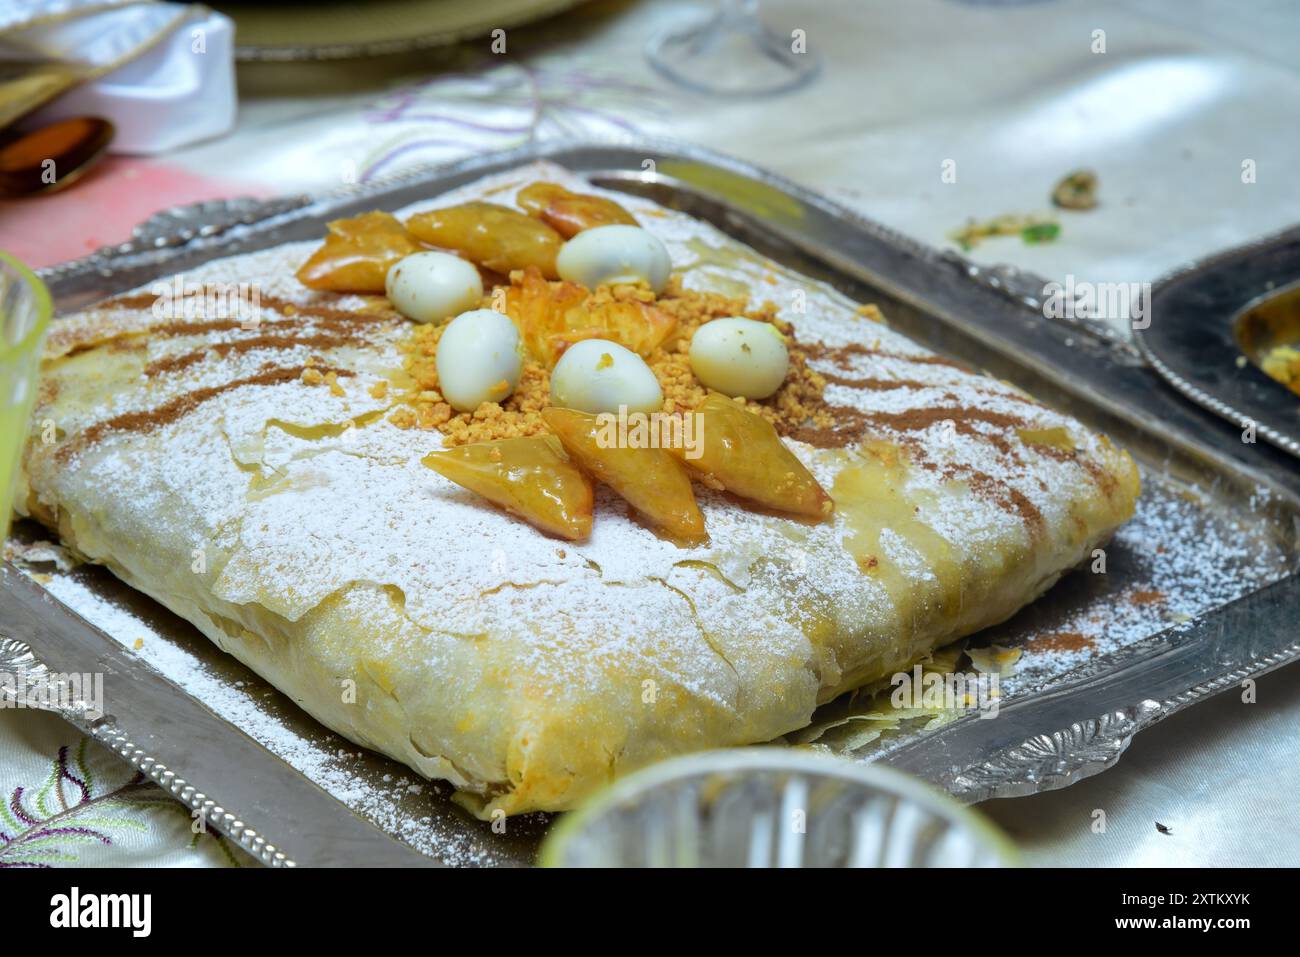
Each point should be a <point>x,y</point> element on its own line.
<point>1031,229</point>
<point>40,552</point>
<point>1078,190</point>
<point>995,659</point>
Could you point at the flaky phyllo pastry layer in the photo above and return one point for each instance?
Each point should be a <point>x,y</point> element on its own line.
<point>266,484</point>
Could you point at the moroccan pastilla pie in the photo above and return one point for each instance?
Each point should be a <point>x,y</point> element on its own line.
<point>434,537</point>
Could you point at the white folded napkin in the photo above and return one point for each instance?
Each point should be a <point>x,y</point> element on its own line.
<point>163,73</point>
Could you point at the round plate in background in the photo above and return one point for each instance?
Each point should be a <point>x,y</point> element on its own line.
<point>1192,341</point>
<point>331,30</point>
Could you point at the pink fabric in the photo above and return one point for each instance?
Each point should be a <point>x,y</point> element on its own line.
<point>102,208</point>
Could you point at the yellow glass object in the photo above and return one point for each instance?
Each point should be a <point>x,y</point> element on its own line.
<point>24,315</point>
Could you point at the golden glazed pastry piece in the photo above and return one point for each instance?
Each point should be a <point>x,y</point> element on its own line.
<point>525,669</point>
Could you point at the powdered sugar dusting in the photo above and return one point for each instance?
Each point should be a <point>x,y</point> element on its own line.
<point>393,798</point>
<point>1183,554</point>
<point>298,494</point>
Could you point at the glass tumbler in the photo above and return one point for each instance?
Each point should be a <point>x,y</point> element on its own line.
<point>24,315</point>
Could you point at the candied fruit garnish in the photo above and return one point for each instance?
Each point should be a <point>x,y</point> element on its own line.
<point>357,254</point>
<point>495,237</point>
<point>652,481</point>
<point>529,477</point>
<point>551,316</point>
<point>742,452</point>
<point>569,213</point>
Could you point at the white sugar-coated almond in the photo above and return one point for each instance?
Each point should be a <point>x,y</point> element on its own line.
<point>739,356</point>
<point>478,359</point>
<point>596,375</point>
<point>429,287</point>
<point>612,254</point>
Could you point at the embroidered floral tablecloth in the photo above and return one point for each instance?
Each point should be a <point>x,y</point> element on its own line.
<point>67,800</point>
<point>926,114</point>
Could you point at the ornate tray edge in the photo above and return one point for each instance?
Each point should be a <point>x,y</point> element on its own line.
<point>17,657</point>
<point>1077,749</point>
<point>1050,761</point>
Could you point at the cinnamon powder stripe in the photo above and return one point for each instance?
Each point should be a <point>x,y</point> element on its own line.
<point>994,490</point>
<point>851,425</point>
<point>1099,476</point>
<point>181,406</point>
<point>914,420</point>
<point>295,315</point>
<point>843,355</point>
<point>264,341</point>
<point>877,385</point>
<point>1004,495</point>
<point>872,384</point>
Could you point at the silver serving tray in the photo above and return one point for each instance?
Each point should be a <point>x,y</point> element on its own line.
<point>1216,535</point>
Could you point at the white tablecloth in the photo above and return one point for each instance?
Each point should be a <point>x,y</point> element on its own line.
<point>1186,92</point>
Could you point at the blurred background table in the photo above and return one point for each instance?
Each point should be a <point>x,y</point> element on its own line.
<point>1186,92</point>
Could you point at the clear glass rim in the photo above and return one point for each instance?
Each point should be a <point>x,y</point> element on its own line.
<point>775,759</point>
<point>44,306</point>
